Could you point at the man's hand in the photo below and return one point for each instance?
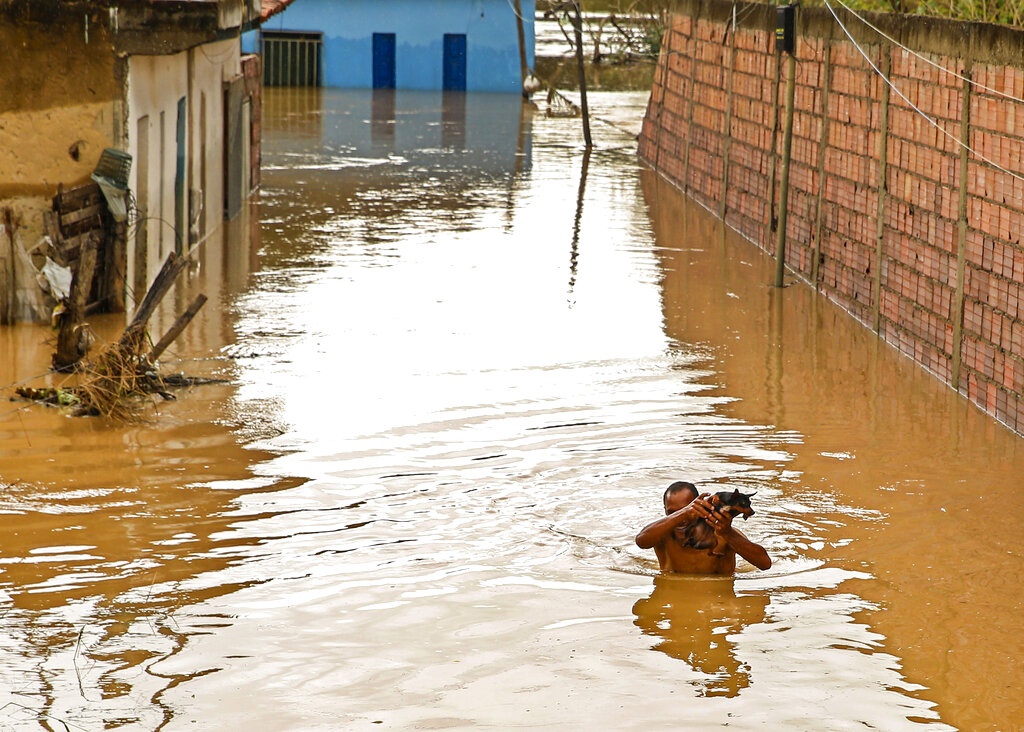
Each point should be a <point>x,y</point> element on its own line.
<point>721,522</point>
<point>700,507</point>
<point>657,531</point>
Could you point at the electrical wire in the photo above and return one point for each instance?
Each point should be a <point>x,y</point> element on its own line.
<point>927,60</point>
<point>218,58</point>
<point>913,106</point>
<point>515,13</point>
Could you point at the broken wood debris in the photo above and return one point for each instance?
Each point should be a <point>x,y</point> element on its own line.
<point>72,396</point>
<point>70,346</point>
<point>114,382</point>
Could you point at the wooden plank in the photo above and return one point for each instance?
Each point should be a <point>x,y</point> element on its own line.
<point>93,308</point>
<point>81,214</point>
<point>83,227</point>
<point>90,200</point>
<point>179,325</point>
<point>75,198</point>
<point>69,248</point>
<point>51,229</point>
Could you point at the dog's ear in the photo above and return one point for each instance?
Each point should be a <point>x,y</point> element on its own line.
<point>752,494</point>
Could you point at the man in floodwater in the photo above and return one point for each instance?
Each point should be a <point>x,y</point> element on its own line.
<point>683,506</point>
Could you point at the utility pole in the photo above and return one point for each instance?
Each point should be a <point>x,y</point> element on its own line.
<point>578,26</point>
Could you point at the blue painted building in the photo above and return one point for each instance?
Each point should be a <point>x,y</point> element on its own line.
<point>470,45</point>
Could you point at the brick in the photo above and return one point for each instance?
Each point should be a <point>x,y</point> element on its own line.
<point>920,234</point>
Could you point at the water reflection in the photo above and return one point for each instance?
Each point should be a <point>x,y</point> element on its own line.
<point>577,219</point>
<point>372,166</point>
<point>415,503</point>
<point>382,121</point>
<point>885,459</point>
<point>108,529</point>
<point>453,120</point>
<point>694,619</point>
<point>295,113</point>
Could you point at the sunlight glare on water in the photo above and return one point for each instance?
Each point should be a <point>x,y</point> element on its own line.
<point>461,376</point>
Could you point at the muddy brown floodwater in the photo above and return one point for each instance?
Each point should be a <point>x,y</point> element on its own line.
<point>457,388</point>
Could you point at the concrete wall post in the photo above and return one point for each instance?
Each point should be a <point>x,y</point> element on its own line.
<point>883,153</point>
<point>787,148</point>
<point>822,147</point>
<point>689,107</point>
<point>728,120</point>
<point>957,315</point>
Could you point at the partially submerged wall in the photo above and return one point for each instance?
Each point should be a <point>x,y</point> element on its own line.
<point>490,28</point>
<point>146,78</point>
<point>58,112</point>
<point>933,258</point>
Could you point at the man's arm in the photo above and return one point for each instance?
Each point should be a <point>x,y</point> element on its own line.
<point>657,531</point>
<point>753,553</point>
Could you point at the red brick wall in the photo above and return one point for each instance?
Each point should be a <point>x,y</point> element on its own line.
<point>714,126</point>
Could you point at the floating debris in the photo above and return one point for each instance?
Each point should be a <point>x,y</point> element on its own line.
<point>118,381</point>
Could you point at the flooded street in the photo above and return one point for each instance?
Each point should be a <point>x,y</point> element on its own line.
<point>463,361</point>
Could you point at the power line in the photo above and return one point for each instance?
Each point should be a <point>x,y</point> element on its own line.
<point>913,106</point>
<point>927,60</point>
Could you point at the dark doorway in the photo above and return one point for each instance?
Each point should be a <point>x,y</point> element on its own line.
<point>180,210</point>
<point>454,62</point>
<point>383,60</point>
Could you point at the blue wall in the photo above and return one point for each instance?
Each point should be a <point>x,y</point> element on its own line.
<point>419,26</point>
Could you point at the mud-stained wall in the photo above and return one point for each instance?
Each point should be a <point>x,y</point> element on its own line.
<point>57,112</point>
<point>157,86</point>
<point>933,258</point>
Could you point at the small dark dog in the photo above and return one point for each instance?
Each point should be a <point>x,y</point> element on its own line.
<point>701,535</point>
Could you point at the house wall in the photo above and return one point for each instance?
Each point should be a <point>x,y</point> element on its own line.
<point>419,26</point>
<point>888,216</point>
<point>155,85</point>
<point>58,112</point>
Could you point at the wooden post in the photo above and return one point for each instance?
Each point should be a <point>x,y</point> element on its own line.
<point>957,315</point>
<point>179,325</point>
<point>117,266</point>
<point>728,120</point>
<point>141,251</point>
<point>68,352</point>
<point>787,147</point>
<point>578,27</point>
<point>822,147</point>
<point>883,154</point>
<point>173,266</point>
